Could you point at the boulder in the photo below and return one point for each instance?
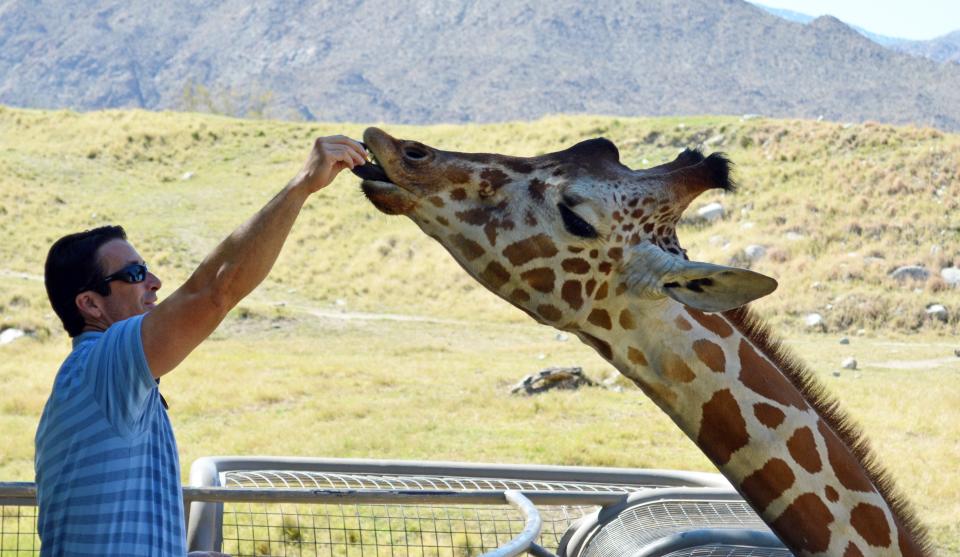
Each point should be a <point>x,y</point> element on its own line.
<point>849,363</point>
<point>910,272</point>
<point>814,321</point>
<point>938,312</point>
<point>711,212</point>
<point>10,335</point>
<point>754,252</point>
<point>950,275</point>
<point>552,378</point>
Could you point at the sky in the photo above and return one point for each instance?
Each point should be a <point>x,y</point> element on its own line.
<point>905,19</point>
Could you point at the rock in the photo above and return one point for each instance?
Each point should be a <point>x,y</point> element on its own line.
<point>849,363</point>
<point>10,335</point>
<point>861,332</point>
<point>553,378</point>
<point>950,275</point>
<point>562,337</point>
<point>910,272</point>
<point>186,176</point>
<point>844,340</point>
<point>711,212</point>
<point>937,311</point>
<point>956,352</point>
<point>814,320</point>
<point>836,373</point>
<point>340,302</point>
<point>794,236</point>
<point>754,251</point>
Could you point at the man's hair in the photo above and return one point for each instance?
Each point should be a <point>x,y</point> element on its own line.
<point>73,266</point>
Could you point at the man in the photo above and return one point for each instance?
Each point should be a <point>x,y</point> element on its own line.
<point>107,468</point>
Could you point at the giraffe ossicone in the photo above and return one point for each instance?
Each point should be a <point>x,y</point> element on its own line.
<point>581,242</point>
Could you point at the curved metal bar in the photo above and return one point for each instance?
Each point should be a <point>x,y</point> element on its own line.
<point>531,528</point>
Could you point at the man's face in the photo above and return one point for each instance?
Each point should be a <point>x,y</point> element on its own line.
<point>125,300</point>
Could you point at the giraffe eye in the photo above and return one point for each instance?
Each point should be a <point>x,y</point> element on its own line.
<point>575,224</point>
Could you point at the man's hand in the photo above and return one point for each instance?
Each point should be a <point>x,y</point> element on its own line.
<point>329,156</point>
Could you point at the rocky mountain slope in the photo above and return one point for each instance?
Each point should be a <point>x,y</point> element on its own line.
<point>430,61</point>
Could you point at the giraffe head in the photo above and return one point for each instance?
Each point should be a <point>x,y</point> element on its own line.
<point>560,234</point>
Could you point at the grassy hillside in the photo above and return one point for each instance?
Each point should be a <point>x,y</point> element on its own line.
<point>836,206</point>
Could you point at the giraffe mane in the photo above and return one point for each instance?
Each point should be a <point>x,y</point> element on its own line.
<point>750,325</point>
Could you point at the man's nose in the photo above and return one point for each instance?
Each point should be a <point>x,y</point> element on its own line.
<point>154,282</point>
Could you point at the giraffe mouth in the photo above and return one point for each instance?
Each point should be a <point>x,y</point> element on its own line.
<point>371,172</point>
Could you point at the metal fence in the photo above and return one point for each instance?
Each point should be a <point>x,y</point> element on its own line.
<point>345,507</point>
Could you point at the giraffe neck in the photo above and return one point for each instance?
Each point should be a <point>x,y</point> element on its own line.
<point>774,442</point>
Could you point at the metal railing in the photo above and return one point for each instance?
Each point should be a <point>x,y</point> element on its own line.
<point>346,507</point>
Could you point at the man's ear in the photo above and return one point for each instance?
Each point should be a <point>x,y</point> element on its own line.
<point>88,305</point>
<point>702,286</point>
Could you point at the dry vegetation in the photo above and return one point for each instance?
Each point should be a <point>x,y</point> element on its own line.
<point>837,207</point>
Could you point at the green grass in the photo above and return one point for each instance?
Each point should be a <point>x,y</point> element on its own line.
<point>285,376</point>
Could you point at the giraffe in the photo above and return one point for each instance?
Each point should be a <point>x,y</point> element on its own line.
<point>583,243</point>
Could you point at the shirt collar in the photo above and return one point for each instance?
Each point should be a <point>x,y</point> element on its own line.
<point>85,336</point>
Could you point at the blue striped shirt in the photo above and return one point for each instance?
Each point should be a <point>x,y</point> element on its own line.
<point>108,473</point>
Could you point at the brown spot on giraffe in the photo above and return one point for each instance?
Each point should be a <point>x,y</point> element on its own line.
<point>529,249</point>
<point>467,247</point>
<point>540,279</point>
<point>594,254</point>
<point>761,377</point>
<point>495,275</point>
<point>536,188</point>
<point>626,320</point>
<point>621,288</point>
<point>852,551</point>
<point>529,219</point>
<point>605,267</point>
<point>846,468</point>
<point>492,179</point>
<point>589,286</point>
<point>768,483</point>
<point>711,322</point>
<point>599,345</point>
<point>600,318</point>
<point>809,510</point>
<point>615,253</point>
<point>519,295</point>
<point>636,356</point>
<point>443,221</point>
<point>711,354</point>
<point>458,194</point>
<point>871,523</point>
<point>548,312</point>
<point>570,292</point>
<point>457,175</point>
<point>803,449</point>
<point>675,369</point>
<point>768,415</point>
<point>832,495</point>
<point>683,324</point>
<point>723,430</point>
<point>601,292</point>
<point>576,266</point>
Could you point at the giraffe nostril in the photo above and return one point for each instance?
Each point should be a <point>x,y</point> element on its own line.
<point>415,152</point>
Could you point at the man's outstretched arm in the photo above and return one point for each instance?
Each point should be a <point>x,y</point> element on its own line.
<point>235,267</point>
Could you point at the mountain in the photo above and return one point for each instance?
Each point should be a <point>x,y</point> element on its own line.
<point>940,49</point>
<point>428,61</point>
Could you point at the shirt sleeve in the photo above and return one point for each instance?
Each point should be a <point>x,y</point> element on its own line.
<point>122,382</point>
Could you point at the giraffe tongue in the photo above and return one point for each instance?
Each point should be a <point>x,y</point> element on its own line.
<point>371,171</point>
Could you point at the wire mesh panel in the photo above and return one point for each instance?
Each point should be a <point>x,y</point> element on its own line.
<point>18,530</point>
<point>642,526</point>
<point>394,530</point>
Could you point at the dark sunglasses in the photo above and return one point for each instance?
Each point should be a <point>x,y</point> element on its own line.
<point>132,274</point>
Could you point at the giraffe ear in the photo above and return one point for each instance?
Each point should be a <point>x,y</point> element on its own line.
<point>714,288</point>
<point>703,286</point>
